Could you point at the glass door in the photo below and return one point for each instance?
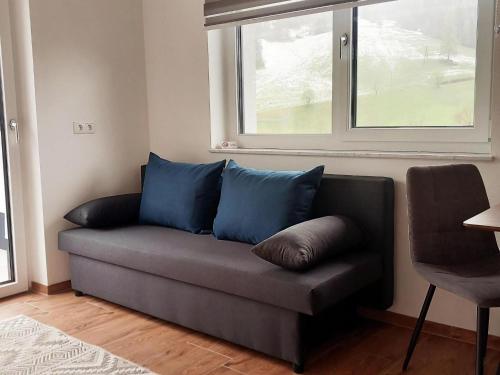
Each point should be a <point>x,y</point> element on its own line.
<point>13,267</point>
<point>7,269</point>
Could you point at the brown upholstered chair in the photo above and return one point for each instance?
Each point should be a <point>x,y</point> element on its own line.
<point>462,261</point>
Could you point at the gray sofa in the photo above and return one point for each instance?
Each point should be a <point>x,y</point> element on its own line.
<point>221,288</point>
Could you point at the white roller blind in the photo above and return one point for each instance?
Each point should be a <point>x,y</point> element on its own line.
<point>219,13</point>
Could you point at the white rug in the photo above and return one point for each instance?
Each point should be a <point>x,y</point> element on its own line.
<point>28,347</point>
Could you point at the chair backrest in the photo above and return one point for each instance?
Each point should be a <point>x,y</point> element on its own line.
<point>440,199</point>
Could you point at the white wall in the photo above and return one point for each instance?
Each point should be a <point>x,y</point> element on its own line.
<point>179,126</point>
<point>88,66</point>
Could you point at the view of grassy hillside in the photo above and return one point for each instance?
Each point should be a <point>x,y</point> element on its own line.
<point>416,67</point>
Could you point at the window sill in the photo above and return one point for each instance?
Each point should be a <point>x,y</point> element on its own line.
<point>358,154</point>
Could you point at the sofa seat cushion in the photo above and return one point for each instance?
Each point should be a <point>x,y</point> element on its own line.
<point>225,266</point>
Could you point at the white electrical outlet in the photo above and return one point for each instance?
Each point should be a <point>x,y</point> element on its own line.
<point>77,128</point>
<point>83,127</point>
<point>89,128</point>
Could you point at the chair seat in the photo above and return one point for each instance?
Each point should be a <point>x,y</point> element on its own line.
<point>477,281</point>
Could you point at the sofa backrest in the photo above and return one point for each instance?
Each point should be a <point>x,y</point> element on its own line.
<point>370,202</point>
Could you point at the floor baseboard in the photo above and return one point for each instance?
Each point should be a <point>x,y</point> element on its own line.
<point>50,289</point>
<point>433,328</point>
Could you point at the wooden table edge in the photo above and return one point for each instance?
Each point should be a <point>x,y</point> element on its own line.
<point>480,227</point>
<point>474,222</point>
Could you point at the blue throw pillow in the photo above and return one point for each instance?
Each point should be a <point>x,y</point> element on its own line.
<point>180,195</point>
<point>257,204</point>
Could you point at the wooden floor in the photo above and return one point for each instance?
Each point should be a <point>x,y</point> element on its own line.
<point>368,348</point>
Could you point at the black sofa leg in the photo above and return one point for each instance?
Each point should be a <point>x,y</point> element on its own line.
<point>483,320</point>
<point>419,325</point>
<point>298,368</point>
<point>79,294</point>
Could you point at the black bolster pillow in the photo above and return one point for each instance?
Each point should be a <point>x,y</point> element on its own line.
<point>114,211</point>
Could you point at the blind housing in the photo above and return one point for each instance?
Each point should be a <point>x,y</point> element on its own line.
<point>221,13</point>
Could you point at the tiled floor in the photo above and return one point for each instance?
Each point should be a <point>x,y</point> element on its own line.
<point>369,348</point>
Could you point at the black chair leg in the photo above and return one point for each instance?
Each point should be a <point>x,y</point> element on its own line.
<point>298,368</point>
<point>483,320</point>
<point>418,327</point>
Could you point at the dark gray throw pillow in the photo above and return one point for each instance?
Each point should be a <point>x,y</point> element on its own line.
<point>113,211</point>
<point>302,246</point>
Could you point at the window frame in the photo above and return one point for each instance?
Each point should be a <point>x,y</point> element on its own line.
<point>473,138</point>
<point>295,141</point>
<point>344,136</point>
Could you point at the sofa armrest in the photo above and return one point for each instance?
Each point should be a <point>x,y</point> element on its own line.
<point>113,211</point>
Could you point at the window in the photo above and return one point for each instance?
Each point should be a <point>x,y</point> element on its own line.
<point>286,68</point>
<point>415,64</point>
<point>406,75</point>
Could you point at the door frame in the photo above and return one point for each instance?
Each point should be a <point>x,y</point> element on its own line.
<point>12,149</point>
